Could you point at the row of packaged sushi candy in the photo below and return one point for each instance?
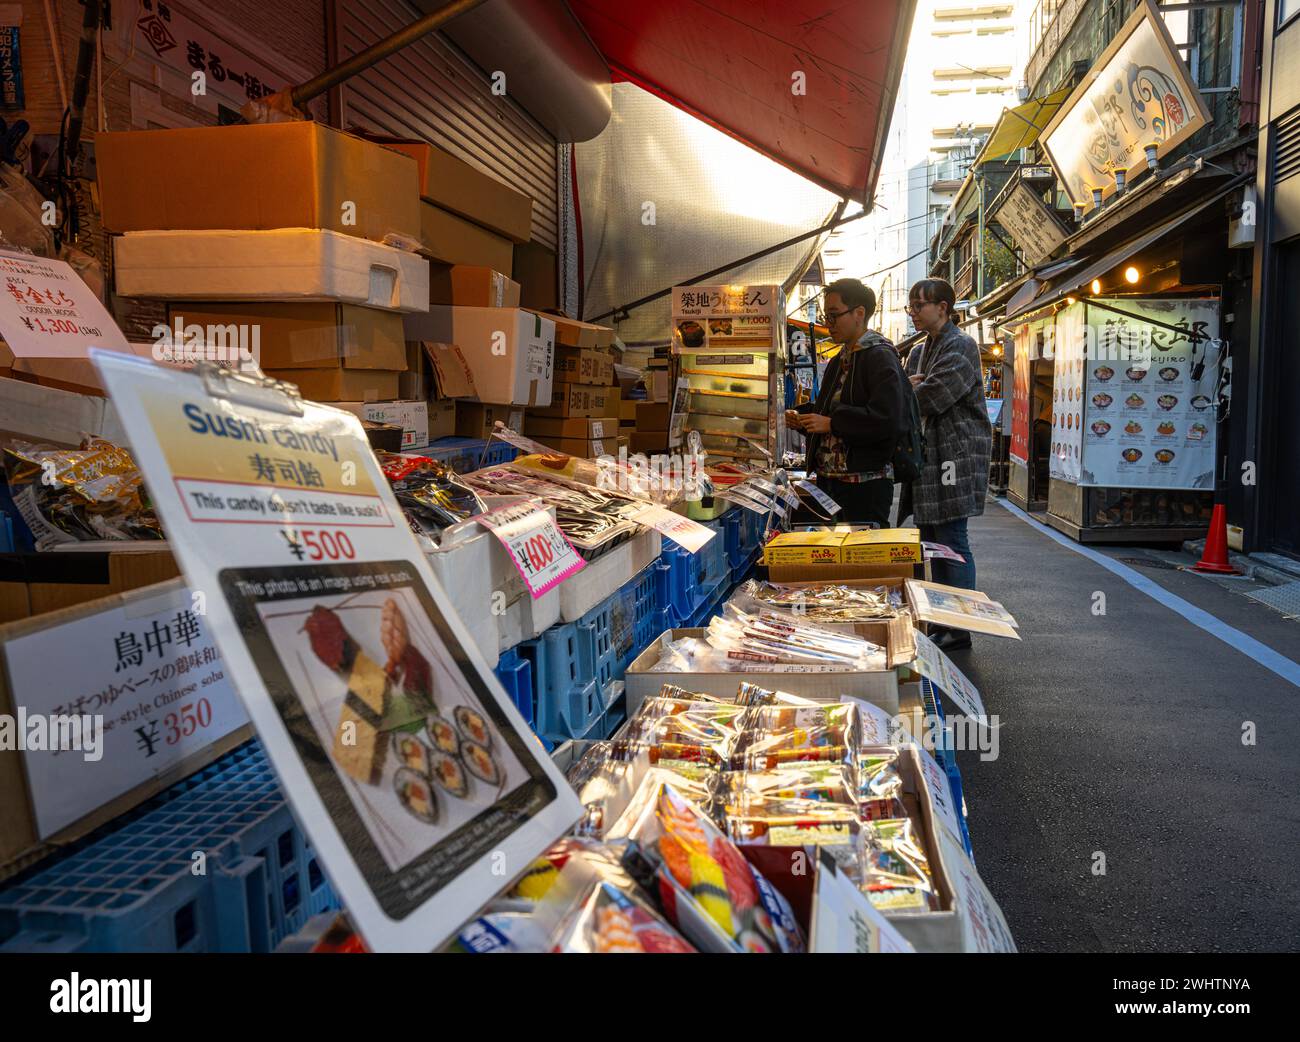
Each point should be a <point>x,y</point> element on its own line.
<point>773,775</point>
<point>673,883</point>
<point>446,757</point>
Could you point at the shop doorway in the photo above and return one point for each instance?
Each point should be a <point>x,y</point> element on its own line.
<point>1284,421</point>
<point>1042,374</point>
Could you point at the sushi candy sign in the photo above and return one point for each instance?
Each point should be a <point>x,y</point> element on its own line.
<point>412,773</point>
<point>727,301</point>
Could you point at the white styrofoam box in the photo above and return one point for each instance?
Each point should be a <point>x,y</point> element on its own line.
<point>500,612</point>
<point>278,264</point>
<point>598,580</point>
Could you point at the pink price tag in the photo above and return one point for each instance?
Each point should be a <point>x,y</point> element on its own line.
<point>542,553</point>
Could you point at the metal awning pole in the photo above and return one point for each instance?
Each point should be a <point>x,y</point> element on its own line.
<point>378,51</point>
<point>288,103</point>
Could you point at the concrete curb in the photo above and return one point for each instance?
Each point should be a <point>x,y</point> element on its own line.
<point>1250,566</point>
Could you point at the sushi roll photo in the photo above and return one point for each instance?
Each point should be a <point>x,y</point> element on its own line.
<point>411,752</point>
<point>448,773</point>
<point>472,725</point>
<point>416,794</point>
<point>443,735</point>
<point>479,762</point>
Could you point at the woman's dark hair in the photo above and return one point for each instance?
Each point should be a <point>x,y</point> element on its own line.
<point>935,291</point>
<point>854,294</point>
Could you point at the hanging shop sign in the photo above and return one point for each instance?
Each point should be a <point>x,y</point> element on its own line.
<point>412,773</point>
<point>1021,361</point>
<point>1030,222</point>
<point>11,59</point>
<point>1149,422</point>
<point>727,318</point>
<point>1067,395</point>
<point>1138,93</point>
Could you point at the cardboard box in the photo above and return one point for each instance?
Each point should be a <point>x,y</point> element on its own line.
<point>649,442</point>
<point>57,579</point>
<point>627,408</point>
<point>581,400</point>
<point>586,448</point>
<point>457,186</point>
<point>20,843</point>
<point>882,546</point>
<point>454,240</point>
<point>653,416</point>
<point>470,285</point>
<point>340,385</point>
<point>543,427</point>
<point>580,365</point>
<point>572,333</point>
<point>305,335</point>
<point>502,354</point>
<point>442,419</point>
<point>659,386</point>
<point>477,419</point>
<point>411,417</point>
<point>879,687</point>
<point>264,175</point>
<point>804,548</point>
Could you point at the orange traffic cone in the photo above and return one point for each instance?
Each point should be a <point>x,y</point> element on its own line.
<point>1215,556</point>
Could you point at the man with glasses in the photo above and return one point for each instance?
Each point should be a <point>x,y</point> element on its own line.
<point>861,408</point>
<point>945,372</point>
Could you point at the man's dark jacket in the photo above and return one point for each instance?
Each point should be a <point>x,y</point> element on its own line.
<point>873,406</point>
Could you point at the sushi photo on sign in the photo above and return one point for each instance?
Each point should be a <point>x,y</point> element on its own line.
<point>414,759</point>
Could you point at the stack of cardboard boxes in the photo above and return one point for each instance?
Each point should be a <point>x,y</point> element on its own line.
<point>307,255</point>
<point>276,238</point>
<point>583,415</point>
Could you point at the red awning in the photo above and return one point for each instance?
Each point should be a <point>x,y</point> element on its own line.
<point>732,63</point>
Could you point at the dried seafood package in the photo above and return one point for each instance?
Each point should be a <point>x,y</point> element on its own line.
<point>79,495</point>
<point>590,517</point>
<point>821,601</point>
<point>431,493</point>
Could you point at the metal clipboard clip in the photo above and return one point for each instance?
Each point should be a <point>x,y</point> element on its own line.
<point>260,392</point>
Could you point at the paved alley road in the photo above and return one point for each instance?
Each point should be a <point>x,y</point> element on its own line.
<point>1122,736</point>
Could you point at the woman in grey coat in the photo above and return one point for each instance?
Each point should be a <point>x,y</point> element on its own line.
<point>945,372</point>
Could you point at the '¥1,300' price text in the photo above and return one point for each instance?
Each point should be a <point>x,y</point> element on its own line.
<point>57,326</point>
<point>318,545</point>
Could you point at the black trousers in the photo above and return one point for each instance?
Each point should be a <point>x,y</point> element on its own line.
<point>861,502</point>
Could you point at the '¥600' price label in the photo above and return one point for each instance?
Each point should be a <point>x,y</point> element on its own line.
<point>541,552</point>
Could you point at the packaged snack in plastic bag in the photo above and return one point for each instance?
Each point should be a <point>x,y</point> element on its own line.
<point>897,869</point>
<point>430,492</point>
<point>880,786</point>
<point>595,906</point>
<point>707,888</point>
<point>86,494</point>
<point>794,823</point>
<point>805,782</point>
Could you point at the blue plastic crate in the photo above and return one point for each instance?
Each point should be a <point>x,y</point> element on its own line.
<point>693,579</point>
<point>516,676</point>
<point>946,756</point>
<point>566,694</point>
<point>498,452</point>
<point>462,455</point>
<point>133,888</point>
